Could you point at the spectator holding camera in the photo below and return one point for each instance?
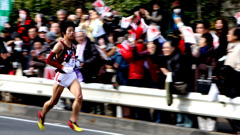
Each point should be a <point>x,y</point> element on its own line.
<point>96,26</point>
<point>79,13</point>
<point>37,60</point>
<point>83,25</point>
<point>110,23</point>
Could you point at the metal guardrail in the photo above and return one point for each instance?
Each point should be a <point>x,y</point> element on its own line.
<point>193,103</point>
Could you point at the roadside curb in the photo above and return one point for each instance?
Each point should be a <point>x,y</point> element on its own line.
<point>109,122</point>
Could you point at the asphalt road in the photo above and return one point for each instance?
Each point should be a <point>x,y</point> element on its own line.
<point>11,125</point>
<point>20,125</point>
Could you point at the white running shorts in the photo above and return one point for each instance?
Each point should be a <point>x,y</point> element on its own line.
<point>65,80</point>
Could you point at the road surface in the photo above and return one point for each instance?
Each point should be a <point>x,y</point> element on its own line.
<point>16,125</point>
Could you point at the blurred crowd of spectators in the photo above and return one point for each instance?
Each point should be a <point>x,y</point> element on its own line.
<point>111,54</point>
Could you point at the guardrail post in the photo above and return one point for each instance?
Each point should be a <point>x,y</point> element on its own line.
<point>119,111</point>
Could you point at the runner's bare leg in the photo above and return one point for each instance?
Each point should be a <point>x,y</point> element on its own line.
<point>75,88</point>
<point>57,91</point>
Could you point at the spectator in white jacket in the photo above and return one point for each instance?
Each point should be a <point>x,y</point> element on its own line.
<point>97,27</point>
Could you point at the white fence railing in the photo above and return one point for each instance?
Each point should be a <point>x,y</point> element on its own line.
<point>193,103</point>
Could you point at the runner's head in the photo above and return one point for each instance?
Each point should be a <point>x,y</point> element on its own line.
<point>67,29</point>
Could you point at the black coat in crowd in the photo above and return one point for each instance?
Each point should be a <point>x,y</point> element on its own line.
<point>91,58</point>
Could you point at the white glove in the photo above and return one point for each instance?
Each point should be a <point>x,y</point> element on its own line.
<point>68,70</point>
<point>238,20</point>
<point>77,63</point>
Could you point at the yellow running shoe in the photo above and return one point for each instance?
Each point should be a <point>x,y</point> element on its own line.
<point>74,126</point>
<point>41,121</point>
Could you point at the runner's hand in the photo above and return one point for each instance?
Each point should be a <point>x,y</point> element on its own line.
<point>77,63</point>
<point>68,70</point>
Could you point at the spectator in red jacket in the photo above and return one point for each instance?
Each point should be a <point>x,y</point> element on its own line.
<point>136,65</point>
<point>24,23</point>
<point>136,72</point>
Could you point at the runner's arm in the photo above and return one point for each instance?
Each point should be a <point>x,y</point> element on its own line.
<point>57,49</point>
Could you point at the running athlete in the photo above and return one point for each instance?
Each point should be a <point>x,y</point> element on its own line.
<point>63,58</point>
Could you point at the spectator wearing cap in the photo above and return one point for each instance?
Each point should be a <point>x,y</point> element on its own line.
<point>42,32</point>
<point>110,23</point>
<point>177,11</point>
<point>24,23</point>
<point>51,41</point>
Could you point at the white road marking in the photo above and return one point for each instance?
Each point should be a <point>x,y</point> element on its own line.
<point>59,125</point>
